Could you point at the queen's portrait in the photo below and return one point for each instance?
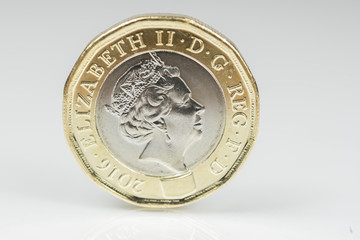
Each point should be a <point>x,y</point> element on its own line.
<point>155,108</point>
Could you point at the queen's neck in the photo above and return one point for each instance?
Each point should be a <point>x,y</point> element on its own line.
<point>162,150</point>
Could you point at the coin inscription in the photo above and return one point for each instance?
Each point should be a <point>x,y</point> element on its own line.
<point>125,180</point>
<point>136,41</point>
<point>160,110</point>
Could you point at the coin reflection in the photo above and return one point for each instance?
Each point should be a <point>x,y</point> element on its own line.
<point>153,225</point>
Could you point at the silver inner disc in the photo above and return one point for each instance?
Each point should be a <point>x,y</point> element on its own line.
<point>160,113</point>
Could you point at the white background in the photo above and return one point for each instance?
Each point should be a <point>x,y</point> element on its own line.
<point>301,181</point>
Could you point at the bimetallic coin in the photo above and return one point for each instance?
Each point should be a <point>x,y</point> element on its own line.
<point>160,110</point>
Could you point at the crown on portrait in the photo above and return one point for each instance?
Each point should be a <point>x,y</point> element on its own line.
<point>136,80</point>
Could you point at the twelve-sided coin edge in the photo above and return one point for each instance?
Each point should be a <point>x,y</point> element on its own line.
<point>166,23</point>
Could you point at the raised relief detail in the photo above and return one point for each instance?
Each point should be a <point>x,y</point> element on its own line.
<point>155,106</point>
<point>122,179</point>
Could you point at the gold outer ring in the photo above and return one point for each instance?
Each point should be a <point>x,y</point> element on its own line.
<point>190,38</point>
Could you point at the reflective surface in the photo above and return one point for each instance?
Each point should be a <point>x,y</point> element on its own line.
<point>174,102</point>
<point>172,225</point>
<point>67,216</point>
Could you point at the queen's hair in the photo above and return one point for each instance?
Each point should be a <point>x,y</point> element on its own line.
<point>140,99</point>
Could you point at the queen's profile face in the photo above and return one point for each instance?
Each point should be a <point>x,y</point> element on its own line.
<point>183,122</point>
<point>182,128</point>
<point>155,106</point>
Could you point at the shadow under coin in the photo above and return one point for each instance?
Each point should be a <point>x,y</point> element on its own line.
<point>153,225</point>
